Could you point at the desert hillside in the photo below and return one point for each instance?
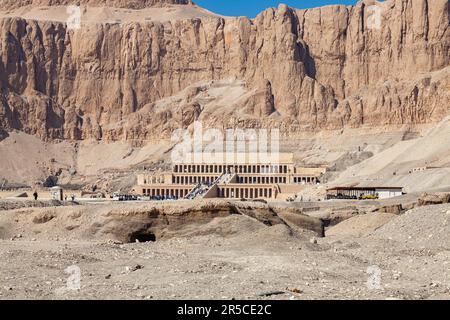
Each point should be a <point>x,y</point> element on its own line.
<point>134,71</point>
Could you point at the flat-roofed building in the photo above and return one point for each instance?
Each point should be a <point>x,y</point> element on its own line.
<point>358,193</point>
<point>227,175</point>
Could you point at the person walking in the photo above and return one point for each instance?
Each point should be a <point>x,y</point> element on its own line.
<point>35,195</point>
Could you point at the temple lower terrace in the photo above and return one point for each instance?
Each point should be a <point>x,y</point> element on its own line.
<point>232,176</point>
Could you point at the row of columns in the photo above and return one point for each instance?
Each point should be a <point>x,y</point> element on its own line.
<point>164,192</point>
<point>219,169</point>
<point>262,180</point>
<point>193,179</point>
<point>305,179</point>
<point>154,180</point>
<point>246,192</point>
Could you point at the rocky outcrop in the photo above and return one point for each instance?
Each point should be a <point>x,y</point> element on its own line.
<point>323,68</point>
<point>427,199</point>
<point>144,222</point>
<point>298,220</point>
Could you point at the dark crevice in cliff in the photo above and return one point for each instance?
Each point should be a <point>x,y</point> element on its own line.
<point>307,59</point>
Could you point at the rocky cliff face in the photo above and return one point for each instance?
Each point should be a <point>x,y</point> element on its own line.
<point>323,68</point>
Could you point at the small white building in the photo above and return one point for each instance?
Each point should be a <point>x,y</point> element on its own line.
<point>56,193</point>
<point>386,193</point>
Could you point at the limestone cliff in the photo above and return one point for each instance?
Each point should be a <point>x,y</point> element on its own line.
<point>322,68</point>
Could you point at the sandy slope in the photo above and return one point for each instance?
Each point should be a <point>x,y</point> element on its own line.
<point>432,149</point>
<point>110,15</point>
<point>26,159</point>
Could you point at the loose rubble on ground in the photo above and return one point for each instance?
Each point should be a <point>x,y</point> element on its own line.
<point>221,250</point>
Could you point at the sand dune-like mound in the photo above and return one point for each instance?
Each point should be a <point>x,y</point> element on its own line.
<point>361,225</point>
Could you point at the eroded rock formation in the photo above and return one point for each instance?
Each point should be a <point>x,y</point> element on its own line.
<point>322,68</point>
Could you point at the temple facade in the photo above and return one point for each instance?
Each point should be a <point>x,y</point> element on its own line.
<point>236,176</point>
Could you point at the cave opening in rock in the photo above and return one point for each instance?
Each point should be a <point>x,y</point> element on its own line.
<point>142,236</point>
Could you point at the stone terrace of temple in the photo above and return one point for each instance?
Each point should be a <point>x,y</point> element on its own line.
<point>237,175</point>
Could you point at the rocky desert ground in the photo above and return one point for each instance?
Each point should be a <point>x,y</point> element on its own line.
<point>222,250</point>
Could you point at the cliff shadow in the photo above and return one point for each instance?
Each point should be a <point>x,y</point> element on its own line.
<point>3,134</point>
<point>307,59</point>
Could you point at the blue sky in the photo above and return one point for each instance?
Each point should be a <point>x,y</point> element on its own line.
<point>251,8</point>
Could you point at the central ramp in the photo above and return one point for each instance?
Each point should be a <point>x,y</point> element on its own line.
<point>203,190</point>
